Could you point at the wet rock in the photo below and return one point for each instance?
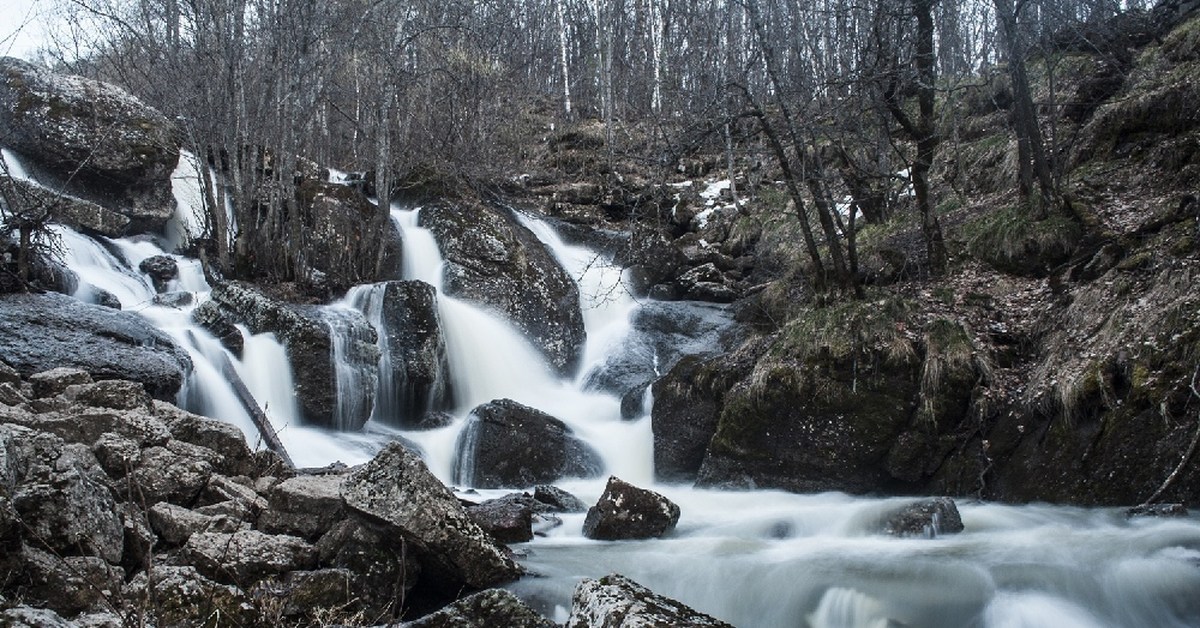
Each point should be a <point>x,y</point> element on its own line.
<point>492,607</point>
<point>178,299</point>
<point>70,584</point>
<point>380,561</point>
<point>40,332</point>
<point>122,151</point>
<point>55,381</point>
<point>176,524</point>
<point>306,333</point>
<point>625,511</point>
<point>706,283</point>
<point>247,555</point>
<point>615,601</point>
<point>508,519</point>
<point>306,506</point>
<point>493,260</point>
<point>175,596</point>
<point>166,476</point>
<point>414,368</point>
<point>652,259</point>
<point>633,403</point>
<point>161,269</point>
<point>684,418</point>
<point>344,230</point>
<point>433,420</point>
<point>60,493</point>
<point>927,518</point>
<point>557,499</point>
<point>1157,510</point>
<point>509,445</point>
<point>397,488</point>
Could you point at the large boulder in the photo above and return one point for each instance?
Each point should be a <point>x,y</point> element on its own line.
<point>350,242</point>
<point>60,493</point>
<point>397,489</point>
<point>68,584</point>
<point>625,511</point>
<point>493,260</point>
<point>307,506</point>
<point>246,556</point>
<point>40,332</point>
<point>120,150</point>
<point>175,596</point>
<point>382,567</point>
<point>309,338</point>
<point>414,374</point>
<point>615,601</point>
<point>485,609</point>
<point>509,445</point>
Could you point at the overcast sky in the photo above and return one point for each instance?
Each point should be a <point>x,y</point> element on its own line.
<point>21,26</point>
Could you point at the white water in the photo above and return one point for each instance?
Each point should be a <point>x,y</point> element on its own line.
<point>751,558</point>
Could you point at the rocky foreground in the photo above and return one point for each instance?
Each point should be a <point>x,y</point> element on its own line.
<point>118,509</point>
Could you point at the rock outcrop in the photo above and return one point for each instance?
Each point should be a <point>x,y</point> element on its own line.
<point>119,150</point>
<point>508,445</point>
<point>40,332</point>
<point>615,601</point>
<point>307,335</point>
<point>493,260</point>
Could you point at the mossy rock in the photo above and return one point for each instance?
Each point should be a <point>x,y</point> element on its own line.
<point>1010,240</point>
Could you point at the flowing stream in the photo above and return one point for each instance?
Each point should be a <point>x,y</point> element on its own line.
<point>754,559</point>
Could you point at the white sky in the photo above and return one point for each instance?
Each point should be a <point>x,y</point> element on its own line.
<point>21,26</point>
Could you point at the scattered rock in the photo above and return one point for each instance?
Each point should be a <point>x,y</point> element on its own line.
<point>381,561</point>
<point>928,518</point>
<point>625,511</point>
<point>508,519</point>
<point>397,488</point>
<point>615,601</point>
<point>55,381</point>
<point>557,499</point>
<point>307,506</point>
<point>176,524</point>
<point>166,476</point>
<point>509,445</point>
<point>161,269</point>
<point>112,393</point>
<point>69,584</point>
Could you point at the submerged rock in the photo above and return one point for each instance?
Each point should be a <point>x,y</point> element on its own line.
<point>397,489</point>
<point>625,511</point>
<point>615,601</point>
<point>928,518</point>
<point>486,609</point>
<point>509,445</point>
<point>40,332</point>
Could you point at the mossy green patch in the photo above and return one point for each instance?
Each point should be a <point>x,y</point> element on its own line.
<point>1011,240</point>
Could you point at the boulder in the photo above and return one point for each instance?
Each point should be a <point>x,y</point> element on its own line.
<point>161,269</point>
<point>347,235</point>
<point>615,601</point>
<point>927,518</point>
<point>683,420</point>
<point>60,494</point>
<point>396,488</point>
<point>382,566</point>
<point>493,260</point>
<point>309,338</point>
<point>306,506</point>
<point>56,380</point>
<point>247,556</point>
<point>558,500</point>
<point>11,395</point>
<point>164,475</point>
<point>508,519</point>
<point>485,609</point>
<point>413,369</point>
<point>69,584</point>
<point>706,283</point>
<point>111,393</point>
<point>40,332</point>
<point>313,594</point>
<point>508,445</point>
<point>625,511</point>
<point>30,617</point>
<point>118,149</point>
<point>87,425</point>
<point>175,596</point>
<point>176,524</point>
<point>221,437</point>
<point>117,455</point>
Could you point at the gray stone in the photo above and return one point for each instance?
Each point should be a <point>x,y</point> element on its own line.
<point>71,584</point>
<point>40,332</point>
<point>175,596</point>
<point>111,393</point>
<point>383,566</point>
<point>306,506</point>
<point>558,500</point>
<point>166,476</point>
<point>397,488</point>
<point>625,511</point>
<point>509,445</point>
<point>485,609</point>
<point>56,380</point>
<point>176,524</point>
<point>615,601</point>
<point>508,519</point>
<point>247,556</point>
<point>926,518</point>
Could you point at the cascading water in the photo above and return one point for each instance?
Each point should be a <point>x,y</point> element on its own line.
<point>761,558</point>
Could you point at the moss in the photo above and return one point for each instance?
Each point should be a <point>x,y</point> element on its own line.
<point>875,325</point>
<point>1183,43</point>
